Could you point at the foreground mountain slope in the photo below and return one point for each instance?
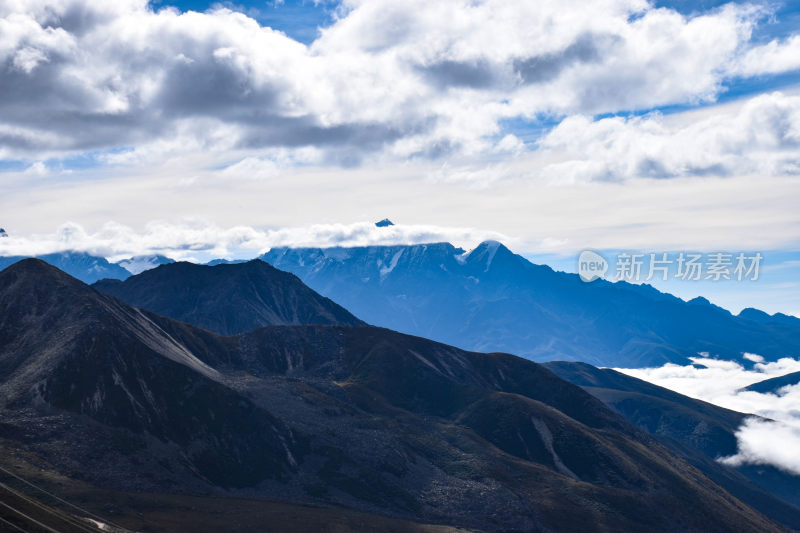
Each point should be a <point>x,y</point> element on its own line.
<point>65,345</point>
<point>124,512</point>
<point>491,299</point>
<point>356,417</point>
<point>227,298</point>
<point>695,430</point>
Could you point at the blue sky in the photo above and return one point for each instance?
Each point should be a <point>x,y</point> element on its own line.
<point>554,127</point>
<point>298,19</point>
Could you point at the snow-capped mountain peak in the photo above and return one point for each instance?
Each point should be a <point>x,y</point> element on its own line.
<point>140,263</point>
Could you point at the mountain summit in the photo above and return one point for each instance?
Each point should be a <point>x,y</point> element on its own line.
<point>227,298</point>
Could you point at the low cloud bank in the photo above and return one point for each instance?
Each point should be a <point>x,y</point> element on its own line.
<point>190,240</point>
<point>766,442</point>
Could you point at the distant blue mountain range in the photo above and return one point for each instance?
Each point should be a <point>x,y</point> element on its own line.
<point>81,265</point>
<point>89,268</point>
<point>491,299</point>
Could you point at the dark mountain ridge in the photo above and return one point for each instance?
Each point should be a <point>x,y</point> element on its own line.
<point>67,346</point>
<point>356,417</point>
<point>227,298</point>
<point>773,385</point>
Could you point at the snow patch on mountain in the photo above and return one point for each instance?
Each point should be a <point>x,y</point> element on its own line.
<point>484,253</point>
<point>386,270</point>
<point>140,263</point>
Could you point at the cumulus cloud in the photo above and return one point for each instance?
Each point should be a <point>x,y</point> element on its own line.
<point>754,357</point>
<point>402,79</point>
<point>771,58</point>
<point>771,438</point>
<point>193,239</point>
<point>761,137</point>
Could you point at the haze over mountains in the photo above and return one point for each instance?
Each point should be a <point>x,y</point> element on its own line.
<point>352,416</point>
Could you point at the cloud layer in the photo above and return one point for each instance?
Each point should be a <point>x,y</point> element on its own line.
<point>767,442</point>
<point>761,137</point>
<point>192,240</point>
<point>397,79</point>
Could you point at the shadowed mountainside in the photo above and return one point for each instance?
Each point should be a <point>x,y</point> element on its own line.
<point>695,430</point>
<point>69,347</point>
<point>773,385</point>
<point>227,298</point>
<point>355,417</point>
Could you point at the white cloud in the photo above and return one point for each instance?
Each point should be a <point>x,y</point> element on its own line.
<point>736,213</point>
<point>762,136</point>
<point>192,239</point>
<point>771,58</point>
<point>37,168</point>
<point>26,59</point>
<point>402,79</point>
<point>252,168</point>
<point>211,115</point>
<point>769,442</point>
<point>753,357</point>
